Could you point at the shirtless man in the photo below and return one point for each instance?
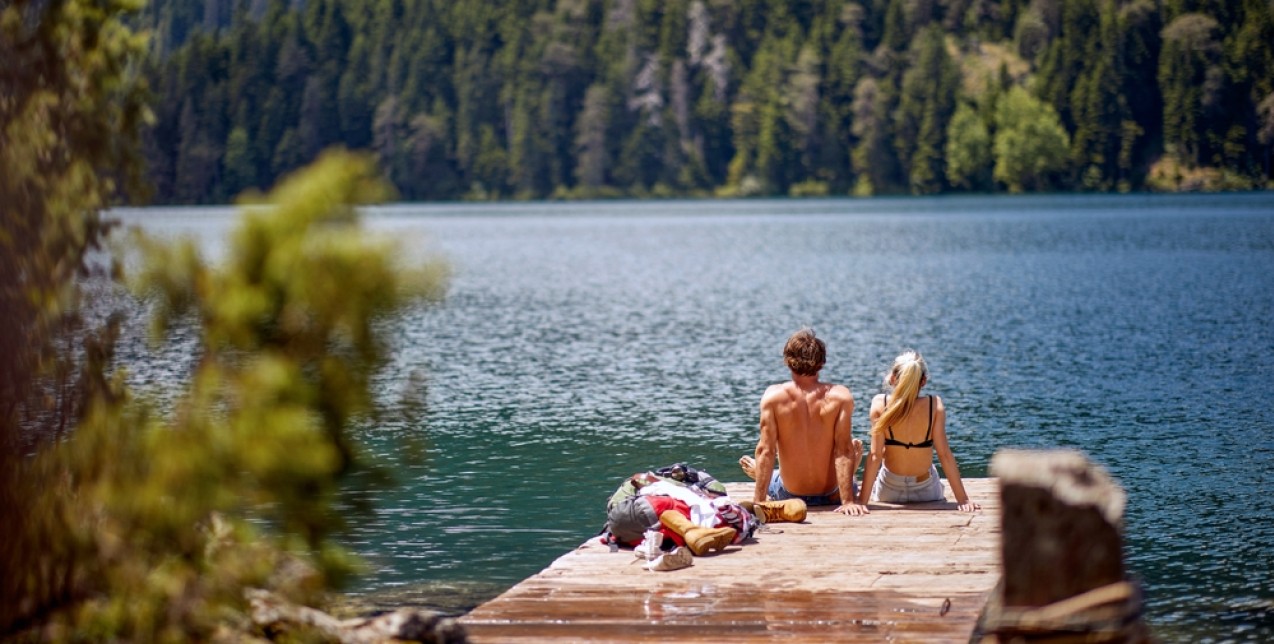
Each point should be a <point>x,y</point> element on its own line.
<point>807,424</point>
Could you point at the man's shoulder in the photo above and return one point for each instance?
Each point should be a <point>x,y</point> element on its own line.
<point>839,392</point>
<point>774,392</point>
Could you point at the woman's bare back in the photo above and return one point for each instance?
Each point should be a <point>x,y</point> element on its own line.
<point>915,429</point>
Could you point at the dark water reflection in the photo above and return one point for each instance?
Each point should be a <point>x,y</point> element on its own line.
<point>582,342</point>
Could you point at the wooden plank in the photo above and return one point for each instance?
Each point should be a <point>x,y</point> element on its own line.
<point>921,572</point>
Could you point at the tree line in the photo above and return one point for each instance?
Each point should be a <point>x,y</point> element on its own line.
<point>595,98</point>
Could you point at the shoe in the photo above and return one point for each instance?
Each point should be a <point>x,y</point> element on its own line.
<point>651,545</point>
<point>700,540</point>
<point>788,511</point>
<point>677,559</point>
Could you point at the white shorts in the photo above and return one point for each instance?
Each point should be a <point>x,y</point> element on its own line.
<point>894,488</point>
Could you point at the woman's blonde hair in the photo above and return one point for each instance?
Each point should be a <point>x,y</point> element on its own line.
<point>907,376</point>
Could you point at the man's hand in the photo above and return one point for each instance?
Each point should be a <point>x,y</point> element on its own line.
<point>852,509</point>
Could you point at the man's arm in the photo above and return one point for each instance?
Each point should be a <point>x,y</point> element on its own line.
<point>843,454</point>
<point>765,449</point>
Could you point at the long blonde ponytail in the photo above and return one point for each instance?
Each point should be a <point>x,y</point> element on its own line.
<point>907,376</point>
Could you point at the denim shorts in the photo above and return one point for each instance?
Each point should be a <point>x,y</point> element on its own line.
<point>779,493</point>
<point>894,488</point>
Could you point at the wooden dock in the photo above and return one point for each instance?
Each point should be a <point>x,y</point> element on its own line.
<point>913,573</point>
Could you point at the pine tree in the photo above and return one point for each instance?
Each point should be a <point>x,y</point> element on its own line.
<point>1190,77</point>
<point>927,102</point>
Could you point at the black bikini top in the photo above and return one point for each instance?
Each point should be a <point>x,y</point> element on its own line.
<point>927,442</point>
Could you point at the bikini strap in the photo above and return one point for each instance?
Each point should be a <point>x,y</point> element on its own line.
<point>891,427</point>
<point>929,432</point>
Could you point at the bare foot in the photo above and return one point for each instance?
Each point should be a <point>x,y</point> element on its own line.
<point>749,466</point>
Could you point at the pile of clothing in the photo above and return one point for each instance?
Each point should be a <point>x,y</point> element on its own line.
<point>675,513</point>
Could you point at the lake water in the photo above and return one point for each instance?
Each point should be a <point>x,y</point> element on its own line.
<point>579,343</point>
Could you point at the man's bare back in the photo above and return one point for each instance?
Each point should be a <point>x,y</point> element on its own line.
<point>806,423</point>
<point>805,420</point>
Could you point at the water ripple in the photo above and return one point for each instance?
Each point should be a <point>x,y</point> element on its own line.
<point>580,343</point>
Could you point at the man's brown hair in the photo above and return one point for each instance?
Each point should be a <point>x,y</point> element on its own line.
<point>804,353</point>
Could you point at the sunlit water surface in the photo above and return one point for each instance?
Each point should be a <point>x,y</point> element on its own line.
<point>579,343</point>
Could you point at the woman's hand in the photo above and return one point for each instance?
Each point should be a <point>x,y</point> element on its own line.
<point>852,509</point>
<point>969,506</point>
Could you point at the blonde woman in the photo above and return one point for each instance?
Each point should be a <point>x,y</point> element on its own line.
<point>906,429</point>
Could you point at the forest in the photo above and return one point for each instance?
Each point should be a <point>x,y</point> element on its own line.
<point>534,99</point>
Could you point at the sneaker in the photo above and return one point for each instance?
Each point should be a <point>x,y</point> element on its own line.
<point>677,559</point>
<point>651,545</point>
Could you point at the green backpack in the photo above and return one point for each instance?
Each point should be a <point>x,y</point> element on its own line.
<point>629,515</point>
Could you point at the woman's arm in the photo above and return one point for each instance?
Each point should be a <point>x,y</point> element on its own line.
<point>949,466</point>
<point>877,454</point>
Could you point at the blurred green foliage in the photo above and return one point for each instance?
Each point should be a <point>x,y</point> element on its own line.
<point>159,522</point>
<point>71,106</point>
<point>118,522</point>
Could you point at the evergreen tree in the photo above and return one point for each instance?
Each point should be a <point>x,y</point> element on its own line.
<point>844,68</point>
<point>872,160</point>
<point>1138,51</point>
<point>803,115</point>
<point>712,125</point>
<point>198,157</point>
<point>240,169</point>
<point>1190,77</point>
<point>928,100</point>
<point>1067,57</point>
<point>1099,108</point>
<point>590,139</point>
<point>968,151</point>
<point>354,96</point>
